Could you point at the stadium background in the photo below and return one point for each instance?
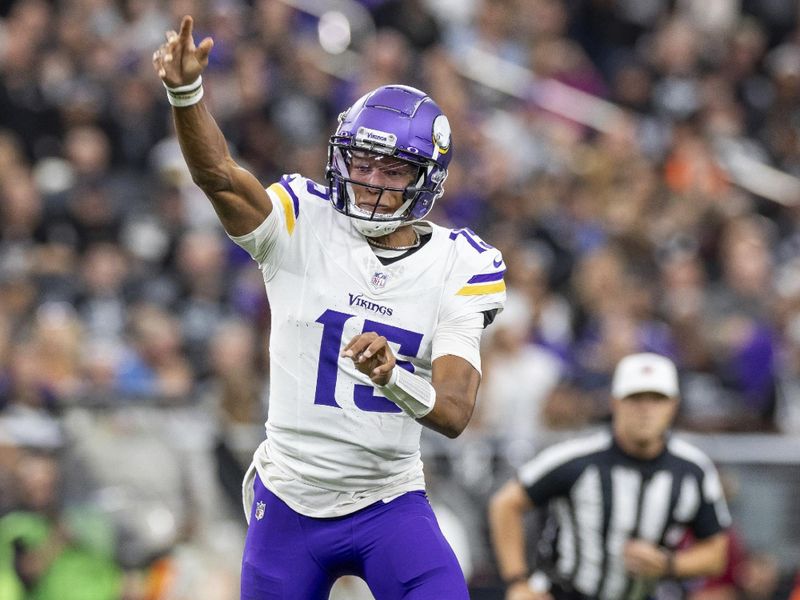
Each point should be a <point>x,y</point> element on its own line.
<point>636,161</point>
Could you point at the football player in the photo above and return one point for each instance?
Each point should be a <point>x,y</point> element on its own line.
<point>377,316</point>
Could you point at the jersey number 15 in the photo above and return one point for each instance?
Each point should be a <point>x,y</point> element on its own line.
<point>363,396</point>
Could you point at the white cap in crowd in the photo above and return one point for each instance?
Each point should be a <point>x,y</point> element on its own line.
<point>645,372</point>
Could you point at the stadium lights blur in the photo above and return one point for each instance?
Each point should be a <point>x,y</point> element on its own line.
<point>334,32</point>
<point>342,26</point>
<point>338,20</point>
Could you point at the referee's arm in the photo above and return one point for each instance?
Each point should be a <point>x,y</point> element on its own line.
<point>507,509</point>
<point>704,558</point>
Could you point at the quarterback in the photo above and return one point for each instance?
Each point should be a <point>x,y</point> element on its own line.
<point>377,316</point>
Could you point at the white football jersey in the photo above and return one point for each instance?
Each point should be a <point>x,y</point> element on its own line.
<point>334,443</point>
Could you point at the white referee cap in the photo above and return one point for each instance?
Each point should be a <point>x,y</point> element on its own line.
<point>645,372</point>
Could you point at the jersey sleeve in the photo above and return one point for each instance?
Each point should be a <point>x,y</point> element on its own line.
<point>712,514</point>
<point>268,243</point>
<point>460,337</point>
<point>476,282</point>
<point>548,476</point>
<point>553,472</point>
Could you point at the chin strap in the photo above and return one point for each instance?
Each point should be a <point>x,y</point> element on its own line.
<point>410,392</point>
<point>372,229</point>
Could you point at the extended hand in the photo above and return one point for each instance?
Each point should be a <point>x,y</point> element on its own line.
<point>646,559</point>
<point>178,61</point>
<point>372,356</point>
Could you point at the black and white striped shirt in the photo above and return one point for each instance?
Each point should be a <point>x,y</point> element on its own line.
<point>602,497</point>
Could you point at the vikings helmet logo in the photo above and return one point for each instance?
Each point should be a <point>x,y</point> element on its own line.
<point>441,133</point>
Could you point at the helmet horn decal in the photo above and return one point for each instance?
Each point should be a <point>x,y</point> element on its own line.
<point>441,134</point>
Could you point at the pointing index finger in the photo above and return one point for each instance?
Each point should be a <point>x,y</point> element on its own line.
<point>186,28</point>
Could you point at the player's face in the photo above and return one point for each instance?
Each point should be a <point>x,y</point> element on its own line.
<point>376,172</point>
<point>643,419</point>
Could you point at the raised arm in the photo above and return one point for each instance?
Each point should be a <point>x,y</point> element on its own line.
<point>239,199</point>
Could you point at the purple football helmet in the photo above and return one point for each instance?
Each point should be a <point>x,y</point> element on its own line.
<point>399,125</point>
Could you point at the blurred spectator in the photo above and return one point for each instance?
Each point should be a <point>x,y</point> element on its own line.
<point>101,302</point>
<point>28,404</point>
<point>155,365</point>
<point>739,327</point>
<point>412,19</point>
<point>388,57</point>
<point>46,555</point>
<point>202,302</point>
<point>518,376</point>
<point>235,391</point>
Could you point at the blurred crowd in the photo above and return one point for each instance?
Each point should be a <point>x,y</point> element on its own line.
<point>120,293</point>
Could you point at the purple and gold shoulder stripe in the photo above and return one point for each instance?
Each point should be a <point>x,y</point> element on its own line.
<point>289,202</point>
<point>485,283</point>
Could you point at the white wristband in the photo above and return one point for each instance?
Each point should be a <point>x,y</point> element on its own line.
<point>410,392</point>
<point>186,95</point>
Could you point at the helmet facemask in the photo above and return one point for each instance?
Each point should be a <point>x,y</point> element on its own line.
<point>365,180</point>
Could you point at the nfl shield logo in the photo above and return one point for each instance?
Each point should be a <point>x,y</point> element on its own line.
<point>378,280</point>
<point>260,506</point>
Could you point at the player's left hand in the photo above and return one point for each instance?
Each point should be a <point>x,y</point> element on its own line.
<point>646,559</point>
<point>372,356</point>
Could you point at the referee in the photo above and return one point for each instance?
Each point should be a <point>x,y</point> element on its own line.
<point>622,500</point>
